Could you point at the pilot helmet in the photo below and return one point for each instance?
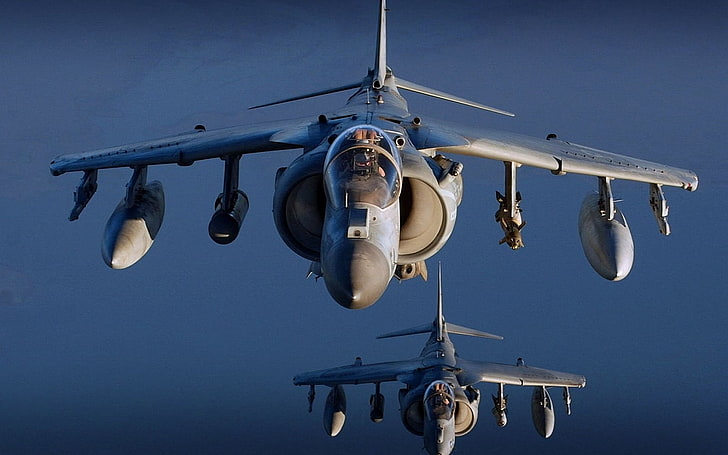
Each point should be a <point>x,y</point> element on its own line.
<point>364,160</point>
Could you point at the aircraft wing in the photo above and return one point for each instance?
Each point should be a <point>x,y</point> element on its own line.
<point>473,372</point>
<point>553,154</point>
<point>199,144</point>
<point>360,374</point>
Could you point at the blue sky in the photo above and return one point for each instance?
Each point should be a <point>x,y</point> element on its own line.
<point>193,349</point>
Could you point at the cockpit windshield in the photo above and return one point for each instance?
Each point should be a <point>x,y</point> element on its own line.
<point>439,401</point>
<point>363,165</point>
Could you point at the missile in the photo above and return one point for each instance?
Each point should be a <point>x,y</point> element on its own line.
<point>607,244</point>
<point>335,411</point>
<point>132,227</point>
<point>499,407</point>
<point>511,221</point>
<point>542,411</point>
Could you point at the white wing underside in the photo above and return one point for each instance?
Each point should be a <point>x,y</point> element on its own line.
<point>555,155</point>
<point>467,371</point>
<point>360,374</point>
<point>197,145</point>
<point>498,373</point>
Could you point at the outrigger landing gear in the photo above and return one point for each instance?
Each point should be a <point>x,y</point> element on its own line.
<point>311,397</point>
<point>84,192</point>
<point>659,207</point>
<point>509,212</point>
<point>567,400</point>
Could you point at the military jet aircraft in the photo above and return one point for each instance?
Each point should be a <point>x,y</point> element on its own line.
<point>373,194</point>
<point>439,401</point>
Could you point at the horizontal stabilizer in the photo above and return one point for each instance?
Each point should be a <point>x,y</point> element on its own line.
<point>460,330</point>
<point>439,325</point>
<point>427,328</point>
<point>451,329</point>
<point>417,88</point>
<point>311,95</point>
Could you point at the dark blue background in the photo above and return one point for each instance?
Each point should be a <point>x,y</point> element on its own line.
<point>192,350</point>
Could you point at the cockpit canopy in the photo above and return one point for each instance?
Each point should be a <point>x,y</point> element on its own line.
<point>439,401</point>
<point>363,165</point>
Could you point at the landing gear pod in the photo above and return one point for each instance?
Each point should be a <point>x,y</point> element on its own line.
<point>133,226</point>
<point>607,243</point>
<point>225,224</point>
<point>335,411</point>
<point>542,411</point>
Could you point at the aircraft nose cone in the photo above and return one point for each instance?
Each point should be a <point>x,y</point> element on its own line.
<point>356,273</point>
<point>439,437</point>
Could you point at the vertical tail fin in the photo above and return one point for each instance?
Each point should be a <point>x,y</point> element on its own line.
<point>379,75</point>
<point>440,317</point>
<point>380,63</point>
<point>439,327</point>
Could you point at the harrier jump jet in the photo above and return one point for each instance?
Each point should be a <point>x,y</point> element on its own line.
<point>375,191</point>
<point>439,400</point>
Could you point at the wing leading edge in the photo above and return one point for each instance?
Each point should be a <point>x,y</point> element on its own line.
<point>359,373</point>
<point>473,371</point>
<point>558,156</point>
<point>469,372</point>
<point>199,144</point>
